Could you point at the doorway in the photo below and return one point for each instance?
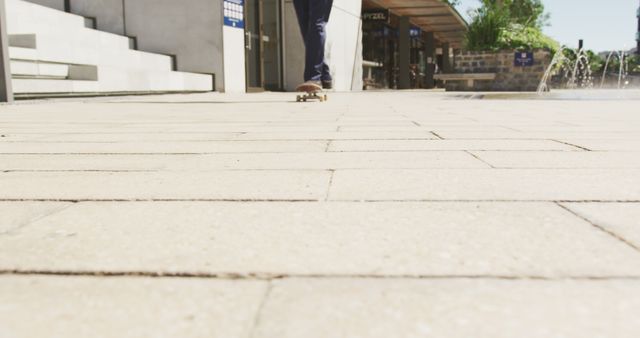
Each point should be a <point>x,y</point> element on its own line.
<point>263,47</point>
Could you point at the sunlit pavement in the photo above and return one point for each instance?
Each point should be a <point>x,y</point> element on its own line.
<point>378,214</point>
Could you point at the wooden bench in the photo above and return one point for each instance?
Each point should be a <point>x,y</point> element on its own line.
<point>470,78</point>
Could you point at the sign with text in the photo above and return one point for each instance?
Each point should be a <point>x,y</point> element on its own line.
<point>523,59</point>
<point>234,13</point>
<point>376,15</point>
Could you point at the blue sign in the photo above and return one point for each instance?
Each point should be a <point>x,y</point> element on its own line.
<point>523,59</point>
<point>234,13</point>
<point>415,32</point>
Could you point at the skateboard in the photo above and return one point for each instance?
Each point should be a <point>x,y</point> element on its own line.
<point>313,92</point>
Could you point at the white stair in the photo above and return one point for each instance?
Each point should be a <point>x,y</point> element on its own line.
<point>27,69</point>
<point>52,52</point>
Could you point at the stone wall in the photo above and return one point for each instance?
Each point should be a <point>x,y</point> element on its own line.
<point>508,76</point>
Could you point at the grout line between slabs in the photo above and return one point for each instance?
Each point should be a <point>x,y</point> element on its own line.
<point>276,200</point>
<point>572,145</point>
<point>259,311</point>
<point>481,160</point>
<point>328,146</point>
<point>37,218</point>
<point>329,185</point>
<point>270,276</point>
<point>436,135</point>
<point>601,228</point>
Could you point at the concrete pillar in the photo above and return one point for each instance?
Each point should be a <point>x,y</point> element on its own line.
<point>430,55</point>
<point>6,92</point>
<point>404,53</point>
<point>446,58</point>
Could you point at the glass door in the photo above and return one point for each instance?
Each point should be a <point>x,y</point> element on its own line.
<point>263,46</point>
<point>253,45</point>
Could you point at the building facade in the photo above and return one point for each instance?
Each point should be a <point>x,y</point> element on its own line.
<point>255,45</point>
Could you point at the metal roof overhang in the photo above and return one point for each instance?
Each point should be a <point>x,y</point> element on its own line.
<point>430,15</point>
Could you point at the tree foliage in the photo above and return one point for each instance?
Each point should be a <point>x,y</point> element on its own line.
<point>509,24</point>
<point>453,3</point>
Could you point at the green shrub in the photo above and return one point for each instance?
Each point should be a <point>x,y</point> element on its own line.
<point>525,38</point>
<point>514,25</point>
<point>486,29</point>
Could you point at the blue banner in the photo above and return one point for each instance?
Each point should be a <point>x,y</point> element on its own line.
<point>523,59</point>
<point>234,13</point>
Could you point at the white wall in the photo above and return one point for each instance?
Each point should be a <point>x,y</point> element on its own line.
<point>108,13</point>
<point>234,60</point>
<point>343,48</point>
<point>189,29</point>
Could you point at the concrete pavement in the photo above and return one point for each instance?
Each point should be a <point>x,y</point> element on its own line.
<point>377,214</point>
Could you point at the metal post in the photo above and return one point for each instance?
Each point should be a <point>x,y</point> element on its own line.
<point>404,53</point>
<point>430,54</point>
<point>580,44</point>
<point>6,92</point>
<point>446,58</point>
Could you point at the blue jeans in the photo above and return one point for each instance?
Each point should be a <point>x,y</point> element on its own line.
<point>313,16</point>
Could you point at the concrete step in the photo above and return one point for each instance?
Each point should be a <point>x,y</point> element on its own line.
<point>40,86</point>
<point>22,40</point>
<point>39,69</point>
<point>118,80</point>
<point>49,70</point>
<point>53,48</point>
<point>77,37</point>
<point>52,52</point>
<point>19,53</point>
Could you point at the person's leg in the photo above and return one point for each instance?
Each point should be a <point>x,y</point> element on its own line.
<point>327,81</point>
<point>302,12</point>
<point>319,11</point>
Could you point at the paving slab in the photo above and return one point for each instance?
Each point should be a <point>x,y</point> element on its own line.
<point>10,137</point>
<point>418,127</point>
<point>487,184</point>
<point>603,135</point>
<point>40,162</point>
<point>199,162</point>
<point>236,185</point>
<point>162,147</point>
<point>353,135</point>
<point>262,128</point>
<point>326,161</point>
<point>377,239</point>
<point>576,160</point>
<point>66,307</point>
<point>448,145</point>
<point>130,137</point>
<point>631,145</point>
<point>476,264</point>
<point>450,308</point>
<point>619,218</point>
<point>14,215</point>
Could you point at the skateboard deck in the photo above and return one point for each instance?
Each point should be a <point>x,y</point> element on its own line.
<point>313,92</point>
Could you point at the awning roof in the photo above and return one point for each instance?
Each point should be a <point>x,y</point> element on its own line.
<point>430,15</point>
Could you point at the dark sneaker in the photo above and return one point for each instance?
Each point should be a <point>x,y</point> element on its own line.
<point>327,84</point>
